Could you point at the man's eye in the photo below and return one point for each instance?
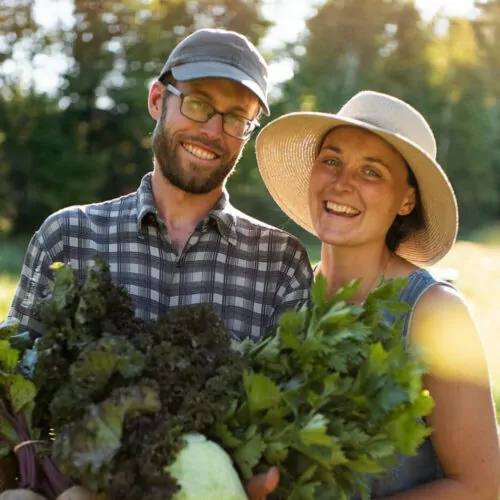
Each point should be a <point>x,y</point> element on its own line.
<point>198,104</point>
<point>236,120</point>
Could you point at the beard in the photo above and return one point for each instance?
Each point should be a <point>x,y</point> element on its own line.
<point>189,176</point>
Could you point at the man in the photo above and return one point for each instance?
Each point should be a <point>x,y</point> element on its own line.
<point>177,240</point>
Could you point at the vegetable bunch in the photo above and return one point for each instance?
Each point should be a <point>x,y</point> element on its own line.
<point>331,396</point>
<point>121,394</point>
<point>145,411</point>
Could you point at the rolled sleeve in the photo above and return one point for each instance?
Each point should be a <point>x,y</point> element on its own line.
<point>35,275</point>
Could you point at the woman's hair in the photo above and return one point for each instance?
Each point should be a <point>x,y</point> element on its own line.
<point>405,225</point>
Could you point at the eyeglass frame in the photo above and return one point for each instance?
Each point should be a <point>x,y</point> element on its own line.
<point>252,122</point>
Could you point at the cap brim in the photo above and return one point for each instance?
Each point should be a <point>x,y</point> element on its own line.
<point>211,69</point>
<point>287,147</point>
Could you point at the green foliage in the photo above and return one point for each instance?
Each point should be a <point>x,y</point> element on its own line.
<point>17,394</point>
<point>86,446</point>
<point>90,138</point>
<point>120,393</point>
<point>332,396</point>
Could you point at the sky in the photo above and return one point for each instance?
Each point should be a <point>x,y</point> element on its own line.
<point>45,69</point>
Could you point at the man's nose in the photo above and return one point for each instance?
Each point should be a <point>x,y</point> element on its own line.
<point>214,126</point>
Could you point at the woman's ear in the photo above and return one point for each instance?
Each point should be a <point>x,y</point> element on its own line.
<point>155,100</point>
<point>409,202</point>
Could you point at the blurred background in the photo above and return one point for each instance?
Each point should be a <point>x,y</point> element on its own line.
<point>74,126</point>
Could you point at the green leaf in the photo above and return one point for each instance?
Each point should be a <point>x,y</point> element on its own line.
<point>348,291</point>
<point>334,385</point>
<point>315,432</point>
<point>318,290</point>
<point>276,452</point>
<point>289,341</point>
<point>84,450</point>
<point>305,491</point>
<point>248,455</point>
<point>340,315</point>
<point>378,358</point>
<point>422,405</point>
<point>8,432</point>
<point>21,341</point>
<point>397,309</point>
<point>8,328</point>
<point>379,448</point>
<point>21,392</point>
<point>292,322</point>
<point>350,435</point>
<point>226,436</point>
<point>100,360</point>
<point>276,414</point>
<point>268,351</point>
<point>8,357</point>
<point>406,433</point>
<point>327,456</point>
<point>262,393</point>
<point>366,465</point>
<point>354,333</point>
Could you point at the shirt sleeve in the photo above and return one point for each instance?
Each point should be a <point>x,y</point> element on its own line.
<point>295,291</point>
<point>35,277</point>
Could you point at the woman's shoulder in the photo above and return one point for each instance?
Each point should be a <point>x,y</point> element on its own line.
<point>421,282</point>
<point>443,325</point>
<point>437,296</point>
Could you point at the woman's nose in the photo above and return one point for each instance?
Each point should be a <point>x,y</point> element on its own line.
<point>343,178</point>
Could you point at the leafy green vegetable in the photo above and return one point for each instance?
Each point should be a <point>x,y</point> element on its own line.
<point>331,396</point>
<point>204,470</point>
<point>93,348</point>
<point>17,399</point>
<point>85,449</point>
<point>90,374</point>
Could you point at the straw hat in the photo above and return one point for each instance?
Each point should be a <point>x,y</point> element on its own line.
<point>287,147</point>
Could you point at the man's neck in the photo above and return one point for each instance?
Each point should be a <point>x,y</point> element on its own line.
<point>181,211</point>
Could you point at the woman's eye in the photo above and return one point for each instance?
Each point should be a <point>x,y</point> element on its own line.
<point>370,172</point>
<point>332,162</point>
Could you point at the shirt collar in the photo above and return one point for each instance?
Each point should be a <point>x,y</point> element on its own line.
<point>145,201</point>
<point>224,215</point>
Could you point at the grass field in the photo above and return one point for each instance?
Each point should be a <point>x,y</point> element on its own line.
<point>477,265</point>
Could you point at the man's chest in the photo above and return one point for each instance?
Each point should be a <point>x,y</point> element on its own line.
<point>240,286</point>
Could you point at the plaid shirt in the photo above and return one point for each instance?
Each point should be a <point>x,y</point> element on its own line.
<point>249,271</point>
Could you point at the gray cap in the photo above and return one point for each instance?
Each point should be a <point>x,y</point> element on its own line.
<point>218,53</point>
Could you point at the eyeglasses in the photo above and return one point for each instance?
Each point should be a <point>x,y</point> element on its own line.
<point>200,111</point>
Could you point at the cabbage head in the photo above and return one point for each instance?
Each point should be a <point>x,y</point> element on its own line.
<point>205,471</point>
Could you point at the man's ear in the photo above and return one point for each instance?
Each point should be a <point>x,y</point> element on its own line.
<point>409,202</point>
<point>155,99</point>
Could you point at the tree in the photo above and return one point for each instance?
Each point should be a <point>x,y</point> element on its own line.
<point>90,139</point>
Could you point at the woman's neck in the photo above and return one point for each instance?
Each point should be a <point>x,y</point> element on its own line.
<point>340,265</point>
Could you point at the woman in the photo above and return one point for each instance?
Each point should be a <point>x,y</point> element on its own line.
<point>366,182</point>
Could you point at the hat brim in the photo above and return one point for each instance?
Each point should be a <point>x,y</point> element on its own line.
<point>287,147</point>
<point>213,69</point>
